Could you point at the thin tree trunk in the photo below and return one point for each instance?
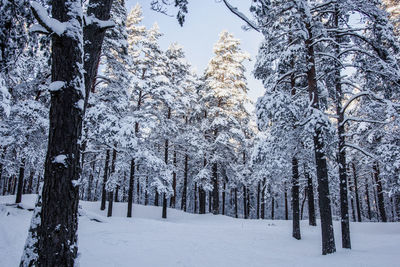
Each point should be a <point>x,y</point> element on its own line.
<point>164,207</point>
<point>104,192</point>
<point>20,181</point>
<point>263,200</point>
<point>156,198</point>
<point>236,203</point>
<point>202,201</point>
<point>184,189</point>
<point>367,199</point>
<point>358,203</point>
<point>90,183</point>
<point>295,199</point>
<point>302,203</point>
<point>223,199</point>
<point>244,202</point>
<point>310,196</point>
<point>111,192</point>
<point>272,208</point>
<point>286,203</point>
<point>195,198</point>
<point>130,189</point>
<point>381,200</point>
<point>146,192</point>
<point>258,199</point>
<point>215,192</point>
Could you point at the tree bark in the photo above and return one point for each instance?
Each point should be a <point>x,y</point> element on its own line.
<point>358,203</point>
<point>244,202</point>
<point>236,203</point>
<point>258,199</point>
<point>111,192</point>
<point>286,203</point>
<point>215,192</point>
<point>328,238</point>
<point>20,181</point>
<point>173,198</point>
<point>202,201</point>
<point>310,196</point>
<point>105,177</point>
<point>295,199</point>
<point>223,199</point>
<point>379,189</point>
<point>164,207</point>
<point>263,200</point>
<point>195,198</point>
<point>130,189</point>
<point>367,199</point>
<point>184,189</point>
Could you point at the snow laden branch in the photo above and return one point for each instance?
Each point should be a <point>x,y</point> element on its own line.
<point>345,106</point>
<point>48,24</point>
<point>366,153</point>
<point>101,24</point>
<point>242,16</point>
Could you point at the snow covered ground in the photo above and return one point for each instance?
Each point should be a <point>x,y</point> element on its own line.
<point>199,240</point>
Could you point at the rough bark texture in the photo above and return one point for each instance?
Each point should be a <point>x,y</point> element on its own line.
<point>295,199</point>
<point>286,203</point>
<point>245,202</point>
<point>258,200</point>
<point>223,199</point>
<point>202,201</point>
<point>184,189</point>
<point>358,203</point>
<point>367,199</point>
<point>111,192</point>
<point>328,238</point>
<point>263,200</point>
<point>236,203</point>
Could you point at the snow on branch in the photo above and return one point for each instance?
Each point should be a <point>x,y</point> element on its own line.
<point>352,99</point>
<point>101,24</point>
<point>242,16</point>
<point>51,25</point>
<point>366,153</point>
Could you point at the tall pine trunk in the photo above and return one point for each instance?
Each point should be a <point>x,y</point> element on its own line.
<point>295,199</point>
<point>215,192</point>
<point>184,189</point>
<point>130,188</point>
<point>286,203</point>
<point>328,238</point>
<point>310,196</point>
<point>164,207</point>
<point>111,192</point>
<point>367,199</point>
<point>263,199</point>
<point>358,203</point>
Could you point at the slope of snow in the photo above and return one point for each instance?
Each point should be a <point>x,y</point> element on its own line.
<point>199,240</point>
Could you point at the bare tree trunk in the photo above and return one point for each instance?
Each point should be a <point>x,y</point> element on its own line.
<point>295,199</point>
<point>184,189</point>
<point>367,199</point>
<point>215,192</point>
<point>20,181</point>
<point>223,199</point>
<point>164,207</point>
<point>104,192</point>
<point>286,203</point>
<point>236,203</point>
<point>130,189</point>
<point>195,198</point>
<point>111,192</point>
<point>263,200</point>
<point>258,199</point>
<point>173,198</point>
<point>272,208</point>
<point>358,203</point>
<point>381,200</point>
<point>244,202</point>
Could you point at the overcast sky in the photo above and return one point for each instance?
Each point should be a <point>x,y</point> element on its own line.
<point>205,21</point>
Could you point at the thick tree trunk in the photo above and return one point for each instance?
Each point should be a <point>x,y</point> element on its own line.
<point>130,189</point>
<point>111,192</point>
<point>302,204</point>
<point>30,182</point>
<point>295,199</point>
<point>358,203</point>
<point>215,192</point>
<point>328,238</point>
<point>379,189</point>
<point>105,177</point>
<point>20,181</point>
<point>156,198</point>
<point>185,179</point>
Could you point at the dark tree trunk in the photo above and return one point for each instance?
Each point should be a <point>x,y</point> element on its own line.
<point>184,189</point>
<point>236,203</point>
<point>58,245</point>
<point>375,198</point>
<point>286,203</point>
<point>223,199</point>
<point>353,210</point>
<point>258,200</point>
<point>173,198</point>
<point>367,199</point>
<point>215,192</point>
<point>116,197</point>
<point>263,200</point>
<point>146,192</point>
<point>379,189</point>
<point>156,198</point>
<point>358,203</point>
<point>310,196</point>
<point>195,198</point>
<point>30,182</point>
<point>20,181</point>
<point>130,189</point>
<point>248,202</point>
<point>1,169</point>
<point>111,192</point>
<point>302,203</point>
<point>105,177</point>
<point>295,199</point>
<point>244,202</point>
<point>90,183</point>
<point>328,238</point>
<point>272,208</point>
<point>164,207</point>
<point>209,201</point>
<point>202,201</point>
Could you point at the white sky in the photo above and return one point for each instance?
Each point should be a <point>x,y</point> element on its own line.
<point>205,20</point>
